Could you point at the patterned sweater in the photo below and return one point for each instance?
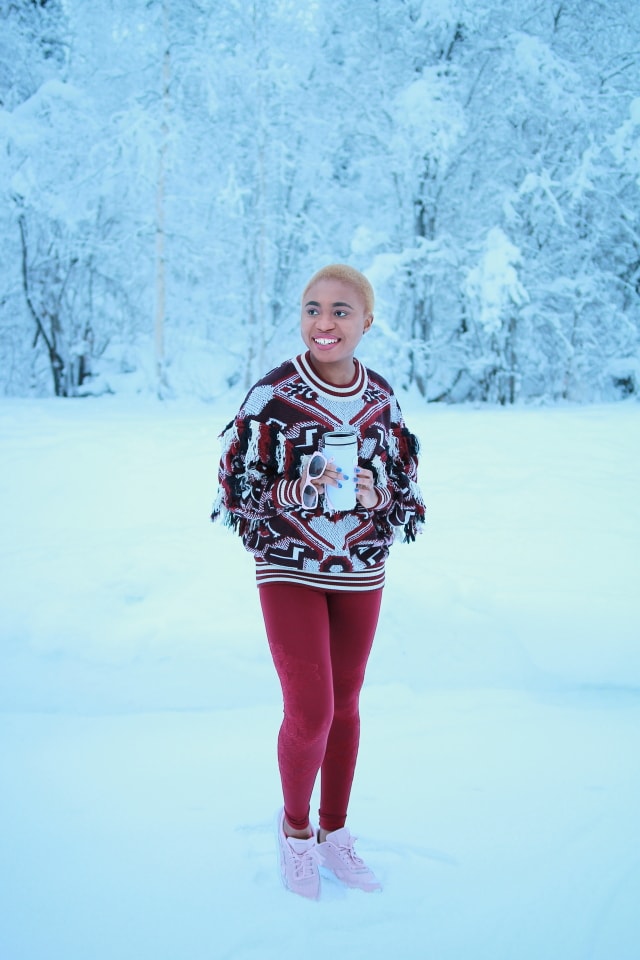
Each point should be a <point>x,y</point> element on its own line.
<point>279,425</point>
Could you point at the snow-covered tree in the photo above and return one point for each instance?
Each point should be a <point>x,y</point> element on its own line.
<point>172,172</point>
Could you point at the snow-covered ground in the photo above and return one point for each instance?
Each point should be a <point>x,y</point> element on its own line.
<point>498,788</point>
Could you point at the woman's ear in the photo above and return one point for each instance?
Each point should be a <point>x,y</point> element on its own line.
<point>367,322</point>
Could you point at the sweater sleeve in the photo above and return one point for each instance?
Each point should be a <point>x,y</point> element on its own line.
<point>400,499</point>
<point>254,473</point>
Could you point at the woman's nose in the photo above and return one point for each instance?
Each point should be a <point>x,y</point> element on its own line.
<point>325,320</point>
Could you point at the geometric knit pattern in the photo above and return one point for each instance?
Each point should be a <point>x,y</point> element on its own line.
<point>280,424</point>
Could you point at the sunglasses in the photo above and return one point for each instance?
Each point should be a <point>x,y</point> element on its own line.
<point>315,469</point>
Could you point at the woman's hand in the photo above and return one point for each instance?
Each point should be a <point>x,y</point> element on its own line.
<point>330,476</point>
<point>365,488</point>
<point>317,474</point>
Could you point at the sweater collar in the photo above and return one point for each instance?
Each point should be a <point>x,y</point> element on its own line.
<point>356,388</point>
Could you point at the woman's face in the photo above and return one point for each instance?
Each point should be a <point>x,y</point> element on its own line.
<point>332,324</point>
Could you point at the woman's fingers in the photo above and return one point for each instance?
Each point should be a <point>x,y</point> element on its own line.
<point>365,488</point>
<point>332,475</point>
<point>364,479</point>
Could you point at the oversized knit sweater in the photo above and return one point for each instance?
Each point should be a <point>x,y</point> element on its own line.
<point>280,424</point>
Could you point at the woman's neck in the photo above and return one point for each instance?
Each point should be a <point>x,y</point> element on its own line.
<point>340,374</point>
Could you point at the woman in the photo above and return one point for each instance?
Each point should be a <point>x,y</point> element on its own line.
<point>320,571</point>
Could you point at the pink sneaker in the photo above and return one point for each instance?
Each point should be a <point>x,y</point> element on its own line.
<point>299,863</point>
<point>337,854</point>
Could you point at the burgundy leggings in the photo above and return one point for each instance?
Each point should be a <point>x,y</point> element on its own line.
<point>320,643</point>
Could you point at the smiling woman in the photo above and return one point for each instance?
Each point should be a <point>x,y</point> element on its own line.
<point>336,313</point>
<point>320,569</point>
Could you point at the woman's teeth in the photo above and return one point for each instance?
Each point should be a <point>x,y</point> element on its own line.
<point>325,341</point>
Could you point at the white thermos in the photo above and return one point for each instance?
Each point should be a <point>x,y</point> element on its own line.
<point>341,446</point>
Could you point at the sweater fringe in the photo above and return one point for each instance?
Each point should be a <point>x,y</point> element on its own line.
<point>230,520</point>
<point>413,527</point>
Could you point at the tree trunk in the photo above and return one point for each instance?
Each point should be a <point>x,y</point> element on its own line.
<point>55,360</point>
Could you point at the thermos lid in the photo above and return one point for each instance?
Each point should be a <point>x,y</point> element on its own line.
<point>338,438</point>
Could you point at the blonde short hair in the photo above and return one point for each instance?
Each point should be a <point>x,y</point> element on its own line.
<point>345,274</point>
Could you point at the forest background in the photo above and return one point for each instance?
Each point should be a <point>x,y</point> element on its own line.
<point>172,171</point>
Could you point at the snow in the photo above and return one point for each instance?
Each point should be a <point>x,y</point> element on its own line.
<point>625,142</point>
<point>498,785</point>
<point>492,285</point>
<point>426,117</point>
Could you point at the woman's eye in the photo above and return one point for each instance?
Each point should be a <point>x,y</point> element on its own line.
<point>341,313</point>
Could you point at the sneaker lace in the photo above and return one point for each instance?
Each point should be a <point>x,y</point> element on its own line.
<point>349,855</point>
<point>304,864</point>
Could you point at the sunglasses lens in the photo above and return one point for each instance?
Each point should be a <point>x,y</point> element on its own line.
<point>310,497</point>
<point>316,465</point>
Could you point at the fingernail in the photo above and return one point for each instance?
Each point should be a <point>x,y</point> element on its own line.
<point>340,486</point>
<point>346,476</point>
